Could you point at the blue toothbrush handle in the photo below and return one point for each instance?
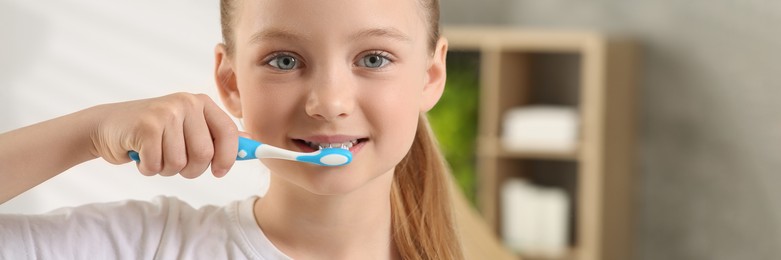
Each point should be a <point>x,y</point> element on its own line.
<point>134,155</point>
<point>245,144</point>
<point>250,149</point>
<point>247,149</point>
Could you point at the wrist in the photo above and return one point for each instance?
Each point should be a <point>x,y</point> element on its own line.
<point>85,132</point>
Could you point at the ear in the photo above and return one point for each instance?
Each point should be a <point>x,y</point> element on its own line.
<point>435,76</point>
<point>225,78</point>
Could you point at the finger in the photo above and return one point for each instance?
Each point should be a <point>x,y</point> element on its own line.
<point>114,154</point>
<point>198,142</point>
<point>226,138</point>
<point>174,153</point>
<point>150,153</point>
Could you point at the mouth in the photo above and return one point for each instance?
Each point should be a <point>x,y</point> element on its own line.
<point>311,146</point>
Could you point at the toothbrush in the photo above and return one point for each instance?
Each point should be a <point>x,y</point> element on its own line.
<point>251,149</point>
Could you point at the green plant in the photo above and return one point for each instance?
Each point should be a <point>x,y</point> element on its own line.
<point>454,119</point>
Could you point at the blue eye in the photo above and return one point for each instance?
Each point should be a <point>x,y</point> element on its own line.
<point>373,61</point>
<point>284,62</point>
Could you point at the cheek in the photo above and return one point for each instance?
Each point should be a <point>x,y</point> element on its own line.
<point>393,112</point>
<point>265,113</point>
<point>399,133</point>
<point>398,91</point>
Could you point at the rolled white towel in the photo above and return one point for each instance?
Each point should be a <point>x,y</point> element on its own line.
<point>554,227</point>
<point>520,216</point>
<point>534,219</point>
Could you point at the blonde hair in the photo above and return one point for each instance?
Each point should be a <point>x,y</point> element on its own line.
<point>422,215</point>
<point>422,211</point>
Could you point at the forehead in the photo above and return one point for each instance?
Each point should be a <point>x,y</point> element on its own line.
<point>396,19</point>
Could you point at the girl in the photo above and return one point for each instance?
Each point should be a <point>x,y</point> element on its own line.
<point>299,74</point>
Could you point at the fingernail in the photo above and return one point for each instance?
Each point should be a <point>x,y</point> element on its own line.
<point>219,173</point>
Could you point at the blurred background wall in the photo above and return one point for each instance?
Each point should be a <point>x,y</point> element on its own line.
<point>709,141</point>
<point>709,131</point>
<point>58,57</point>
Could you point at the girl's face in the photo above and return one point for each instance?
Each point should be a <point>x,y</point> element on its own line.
<point>337,72</point>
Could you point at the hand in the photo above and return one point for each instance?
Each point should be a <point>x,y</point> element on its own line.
<point>178,133</point>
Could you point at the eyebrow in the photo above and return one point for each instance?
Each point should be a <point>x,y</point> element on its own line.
<point>284,34</point>
<point>275,33</point>
<point>388,32</point>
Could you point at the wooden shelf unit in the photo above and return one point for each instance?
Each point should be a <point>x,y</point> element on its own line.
<point>603,83</point>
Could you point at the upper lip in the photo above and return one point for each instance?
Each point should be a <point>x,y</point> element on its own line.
<point>330,139</point>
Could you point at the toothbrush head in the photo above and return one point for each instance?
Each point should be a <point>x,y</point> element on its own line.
<point>328,157</point>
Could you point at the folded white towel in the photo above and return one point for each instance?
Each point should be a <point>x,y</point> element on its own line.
<point>540,129</point>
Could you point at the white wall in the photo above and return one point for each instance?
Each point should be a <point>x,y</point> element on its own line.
<point>60,56</point>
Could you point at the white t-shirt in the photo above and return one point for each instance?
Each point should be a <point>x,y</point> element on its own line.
<point>165,228</point>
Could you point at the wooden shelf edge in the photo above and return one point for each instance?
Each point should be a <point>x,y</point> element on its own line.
<point>514,38</point>
<point>540,155</point>
<point>570,254</point>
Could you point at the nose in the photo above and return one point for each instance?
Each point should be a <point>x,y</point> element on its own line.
<point>331,96</point>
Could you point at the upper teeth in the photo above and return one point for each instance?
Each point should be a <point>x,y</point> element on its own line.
<point>319,146</point>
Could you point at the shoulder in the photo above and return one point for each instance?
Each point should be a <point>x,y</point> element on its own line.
<point>141,229</point>
<point>98,230</point>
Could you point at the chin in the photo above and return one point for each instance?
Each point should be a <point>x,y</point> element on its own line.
<point>332,188</point>
<point>330,181</point>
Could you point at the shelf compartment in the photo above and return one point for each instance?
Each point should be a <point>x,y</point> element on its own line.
<point>596,73</point>
<point>492,147</point>
<point>546,173</point>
